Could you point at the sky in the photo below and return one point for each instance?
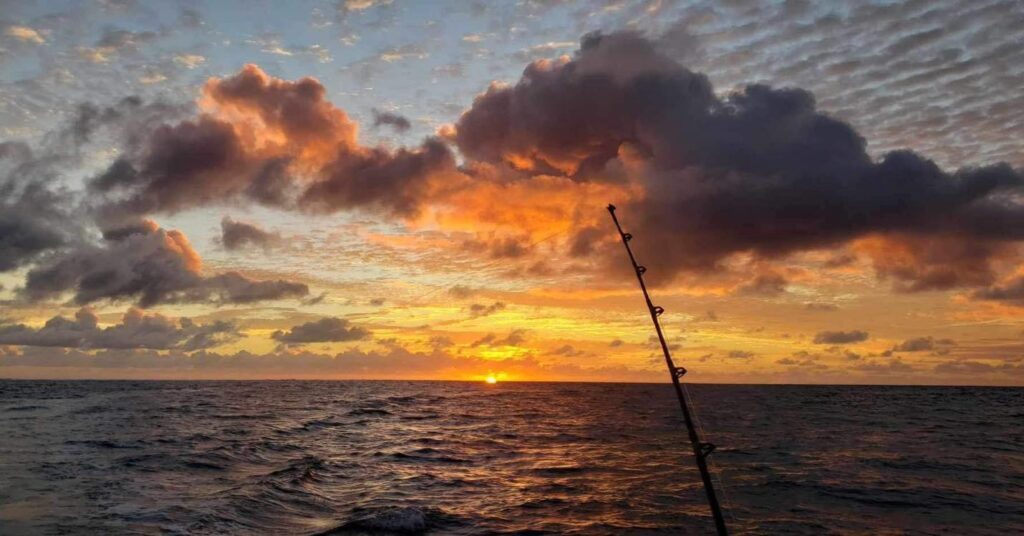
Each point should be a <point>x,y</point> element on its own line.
<point>822,192</point>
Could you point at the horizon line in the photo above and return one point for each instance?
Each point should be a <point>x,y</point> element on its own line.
<point>435,380</point>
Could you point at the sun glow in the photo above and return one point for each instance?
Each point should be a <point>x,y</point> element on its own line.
<point>491,379</point>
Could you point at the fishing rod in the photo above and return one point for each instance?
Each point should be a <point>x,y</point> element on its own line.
<point>701,450</point>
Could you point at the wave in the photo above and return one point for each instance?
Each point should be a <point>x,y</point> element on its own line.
<point>424,455</point>
<point>355,458</point>
<point>396,520</point>
<point>101,443</point>
<point>206,466</point>
<point>305,470</point>
<point>369,411</point>
<point>26,408</point>
<point>558,470</point>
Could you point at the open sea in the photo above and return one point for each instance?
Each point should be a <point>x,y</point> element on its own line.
<point>376,458</point>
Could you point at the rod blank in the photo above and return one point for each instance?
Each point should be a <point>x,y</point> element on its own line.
<point>701,449</point>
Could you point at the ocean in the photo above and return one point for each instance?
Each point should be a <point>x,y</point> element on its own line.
<point>398,457</point>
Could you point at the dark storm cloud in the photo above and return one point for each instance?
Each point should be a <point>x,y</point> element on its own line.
<point>89,118</point>
<point>393,120</point>
<point>150,265</point>
<point>394,181</point>
<point>238,235</point>
<point>255,139</point>
<point>136,330</point>
<point>585,240</point>
<point>324,330</point>
<point>35,215</point>
<point>760,170</point>
<point>233,287</point>
<point>180,166</point>
<point>1010,292</point>
<point>32,220</point>
<point>919,262</point>
<point>840,337</point>
<point>38,214</point>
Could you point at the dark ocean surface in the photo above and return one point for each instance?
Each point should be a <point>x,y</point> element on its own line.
<point>513,458</point>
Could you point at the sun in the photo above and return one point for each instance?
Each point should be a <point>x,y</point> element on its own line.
<point>491,379</point>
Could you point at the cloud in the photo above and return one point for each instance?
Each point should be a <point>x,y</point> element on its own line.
<point>1010,292</point>
<point>403,52</point>
<point>503,247</point>
<point>26,34</point>
<point>362,5</point>
<point>189,61</point>
<point>273,46</point>
<point>701,177</point>
<point>151,265</point>
<point>136,330</point>
<point>35,217</point>
<point>326,329</point>
<point>190,18</point>
<point>461,292</point>
<point>921,263</point>
<point>758,171</point>
<point>478,309</point>
<point>115,41</point>
<point>233,287</point>
<point>708,316</point>
<point>33,220</point>
<point>894,367</point>
<point>840,337</point>
<point>922,344</point>
<point>37,213</point>
<point>803,360</point>
<point>967,367</point>
<point>821,307</point>
<point>568,350</point>
<point>393,361</point>
<point>238,235</point>
<point>255,139</point>
<point>515,337</point>
<point>396,121</point>
<point>542,50</point>
<point>768,284</point>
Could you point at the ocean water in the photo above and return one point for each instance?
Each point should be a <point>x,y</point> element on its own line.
<point>380,458</point>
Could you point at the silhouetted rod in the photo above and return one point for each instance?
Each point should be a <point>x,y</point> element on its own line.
<point>701,450</point>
